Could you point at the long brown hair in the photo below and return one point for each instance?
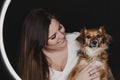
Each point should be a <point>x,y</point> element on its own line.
<point>32,62</point>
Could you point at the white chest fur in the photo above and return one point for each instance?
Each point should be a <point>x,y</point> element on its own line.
<point>93,52</point>
<point>97,63</point>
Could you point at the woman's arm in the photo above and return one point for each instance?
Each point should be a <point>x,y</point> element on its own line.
<point>89,72</point>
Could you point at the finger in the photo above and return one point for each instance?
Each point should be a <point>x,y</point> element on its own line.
<point>94,70</point>
<point>96,79</point>
<point>95,76</point>
<point>89,65</point>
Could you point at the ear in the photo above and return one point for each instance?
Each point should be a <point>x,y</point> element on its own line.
<point>81,38</point>
<point>83,31</point>
<point>107,38</point>
<point>102,29</point>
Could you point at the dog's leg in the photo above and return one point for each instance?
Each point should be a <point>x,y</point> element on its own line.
<point>76,70</point>
<point>74,73</point>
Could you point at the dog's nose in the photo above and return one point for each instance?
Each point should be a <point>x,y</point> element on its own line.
<point>94,42</point>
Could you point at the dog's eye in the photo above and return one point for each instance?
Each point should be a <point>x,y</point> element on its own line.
<point>98,36</point>
<point>88,36</point>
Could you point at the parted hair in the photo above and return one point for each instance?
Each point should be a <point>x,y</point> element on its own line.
<point>34,36</point>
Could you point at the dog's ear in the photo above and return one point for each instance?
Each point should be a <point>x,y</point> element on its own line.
<point>106,37</point>
<point>84,30</point>
<point>81,38</point>
<point>102,29</point>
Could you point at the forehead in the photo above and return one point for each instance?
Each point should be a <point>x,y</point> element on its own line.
<point>53,26</point>
<point>54,22</point>
<point>92,31</point>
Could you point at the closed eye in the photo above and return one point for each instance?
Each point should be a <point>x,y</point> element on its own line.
<point>53,36</point>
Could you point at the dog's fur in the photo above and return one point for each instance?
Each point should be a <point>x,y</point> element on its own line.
<point>93,45</point>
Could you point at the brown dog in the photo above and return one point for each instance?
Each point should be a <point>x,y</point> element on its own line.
<point>93,45</point>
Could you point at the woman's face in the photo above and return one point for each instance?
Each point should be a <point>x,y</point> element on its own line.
<point>56,39</point>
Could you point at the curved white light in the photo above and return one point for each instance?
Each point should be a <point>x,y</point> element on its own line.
<point>3,53</point>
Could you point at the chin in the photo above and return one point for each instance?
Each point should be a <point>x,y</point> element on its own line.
<point>93,45</point>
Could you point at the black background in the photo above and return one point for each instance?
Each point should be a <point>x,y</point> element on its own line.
<point>73,14</point>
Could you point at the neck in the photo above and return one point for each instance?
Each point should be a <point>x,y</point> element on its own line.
<point>57,59</point>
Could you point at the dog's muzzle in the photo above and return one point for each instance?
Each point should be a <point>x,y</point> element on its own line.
<point>94,44</point>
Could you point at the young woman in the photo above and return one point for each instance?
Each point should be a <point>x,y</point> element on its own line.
<point>47,52</point>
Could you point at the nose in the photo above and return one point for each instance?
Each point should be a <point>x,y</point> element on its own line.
<point>94,42</point>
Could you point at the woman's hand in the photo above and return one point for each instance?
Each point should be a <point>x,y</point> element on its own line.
<point>89,72</point>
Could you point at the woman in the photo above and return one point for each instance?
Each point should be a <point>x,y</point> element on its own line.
<point>47,52</point>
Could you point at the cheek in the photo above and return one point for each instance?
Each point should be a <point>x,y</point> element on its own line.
<point>87,41</point>
<point>63,29</point>
<point>100,40</point>
<point>52,42</point>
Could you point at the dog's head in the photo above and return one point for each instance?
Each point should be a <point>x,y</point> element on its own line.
<point>94,38</point>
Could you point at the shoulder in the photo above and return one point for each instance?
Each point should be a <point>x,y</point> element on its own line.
<point>72,35</point>
<point>71,38</point>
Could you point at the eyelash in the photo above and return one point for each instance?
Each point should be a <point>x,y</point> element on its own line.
<point>53,37</point>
